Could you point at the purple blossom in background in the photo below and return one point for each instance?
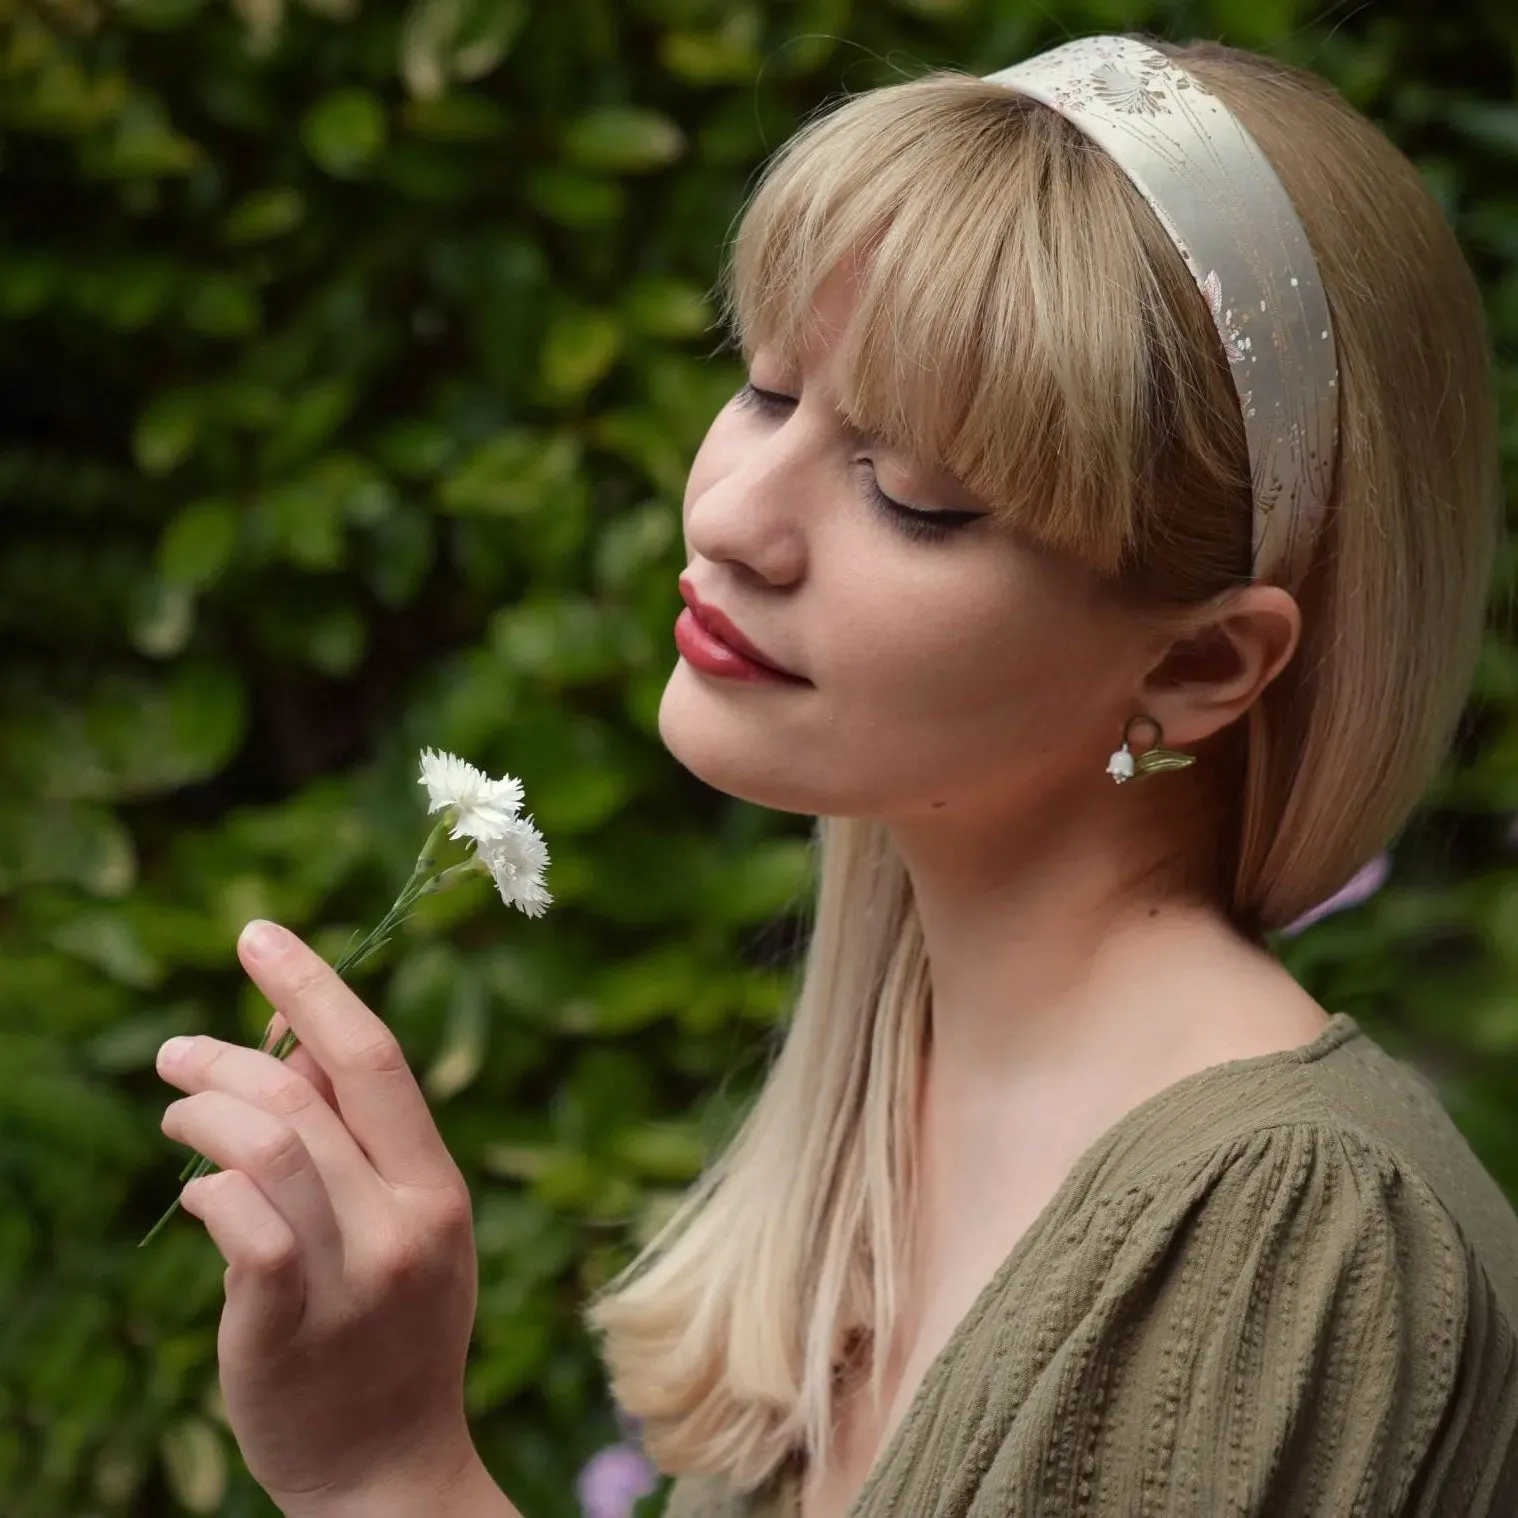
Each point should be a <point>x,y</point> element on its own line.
<point>1362,885</point>
<point>612,1481</point>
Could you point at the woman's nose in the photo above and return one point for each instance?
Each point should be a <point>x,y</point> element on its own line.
<point>749,514</point>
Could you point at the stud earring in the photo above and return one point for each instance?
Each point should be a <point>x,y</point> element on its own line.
<point>1124,765</point>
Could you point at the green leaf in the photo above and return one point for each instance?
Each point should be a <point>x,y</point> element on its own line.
<point>415,447</point>
<point>459,116</point>
<point>728,54</point>
<point>57,843</point>
<point>485,33</point>
<point>197,546</point>
<point>465,1036</point>
<point>345,132</point>
<point>167,431</point>
<point>107,940</point>
<point>573,199</point>
<point>162,618</point>
<point>668,1151</point>
<point>127,294</point>
<point>301,522</point>
<point>132,735</point>
<point>27,282</point>
<point>578,351</point>
<point>133,1044</point>
<point>141,144</point>
<point>645,439</point>
<point>623,139</point>
<point>310,419</point>
<point>516,473</point>
<point>636,991</point>
<point>634,542</point>
<point>768,880</point>
<point>667,308</point>
<point>264,215</point>
<point>221,305</point>
<point>564,641</point>
<point>444,40</point>
<point>336,640</point>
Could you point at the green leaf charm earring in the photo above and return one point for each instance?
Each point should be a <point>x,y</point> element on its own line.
<point>1124,765</point>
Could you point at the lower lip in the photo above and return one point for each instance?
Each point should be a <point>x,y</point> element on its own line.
<point>707,652</point>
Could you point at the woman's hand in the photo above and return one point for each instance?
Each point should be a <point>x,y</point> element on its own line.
<point>348,1234</point>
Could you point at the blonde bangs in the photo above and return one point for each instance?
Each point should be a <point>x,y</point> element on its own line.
<point>1002,324</point>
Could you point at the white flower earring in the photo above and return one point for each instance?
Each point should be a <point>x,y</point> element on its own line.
<point>1124,765</point>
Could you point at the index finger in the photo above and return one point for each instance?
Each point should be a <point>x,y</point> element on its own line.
<point>377,1095</point>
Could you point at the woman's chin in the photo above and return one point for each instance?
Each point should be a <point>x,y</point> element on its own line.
<point>734,751</point>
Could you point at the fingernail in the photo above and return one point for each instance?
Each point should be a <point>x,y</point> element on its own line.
<point>173,1049</point>
<point>262,940</point>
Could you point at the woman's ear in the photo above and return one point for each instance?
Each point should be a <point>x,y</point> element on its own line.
<point>1217,667</point>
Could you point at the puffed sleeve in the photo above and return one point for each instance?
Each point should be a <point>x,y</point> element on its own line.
<point>1282,1338</point>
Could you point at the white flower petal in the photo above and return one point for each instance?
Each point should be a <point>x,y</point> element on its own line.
<point>516,858</point>
<point>486,808</point>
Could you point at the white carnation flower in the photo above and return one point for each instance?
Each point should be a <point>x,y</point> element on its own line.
<point>486,808</point>
<point>516,859</point>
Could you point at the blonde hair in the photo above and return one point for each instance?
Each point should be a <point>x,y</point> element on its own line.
<point>1021,319</point>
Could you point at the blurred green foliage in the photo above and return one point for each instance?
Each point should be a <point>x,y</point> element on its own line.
<point>352,360</point>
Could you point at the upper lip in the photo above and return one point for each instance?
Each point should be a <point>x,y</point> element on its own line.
<point>724,627</point>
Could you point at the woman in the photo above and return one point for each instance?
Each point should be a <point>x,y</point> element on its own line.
<point>1122,417</point>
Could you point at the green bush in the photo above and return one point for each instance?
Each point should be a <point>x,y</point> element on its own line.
<point>352,362</point>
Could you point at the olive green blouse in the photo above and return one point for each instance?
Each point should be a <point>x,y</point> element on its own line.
<point>1281,1286</point>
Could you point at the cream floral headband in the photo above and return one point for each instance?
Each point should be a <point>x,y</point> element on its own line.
<point>1230,218</point>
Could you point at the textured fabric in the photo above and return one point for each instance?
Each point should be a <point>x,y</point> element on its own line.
<point>1282,1286</point>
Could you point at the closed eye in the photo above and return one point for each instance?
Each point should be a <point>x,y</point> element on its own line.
<point>917,522</point>
<point>764,400</point>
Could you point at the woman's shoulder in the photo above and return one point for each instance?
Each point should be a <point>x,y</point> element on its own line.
<point>1338,1130</point>
<point>1295,1259</point>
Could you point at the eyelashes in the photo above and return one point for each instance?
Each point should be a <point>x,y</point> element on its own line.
<point>916,523</point>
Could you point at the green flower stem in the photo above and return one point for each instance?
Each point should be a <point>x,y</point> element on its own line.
<point>424,881</point>
<point>453,874</point>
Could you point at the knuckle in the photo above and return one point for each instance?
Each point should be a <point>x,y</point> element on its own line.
<point>272,1251</point>
<point>410,1259</point>
<point>285,1093</point>
<point>374,1052</point>
<point>451,1210</point>
<point>406,1264</point>
<point>267,1248</point>
<point>279,1154</point>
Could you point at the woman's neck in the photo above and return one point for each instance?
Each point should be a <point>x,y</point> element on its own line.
<point>1066,943</point>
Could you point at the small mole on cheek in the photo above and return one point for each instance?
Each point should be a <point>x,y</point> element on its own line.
<point>938,804</point>
<point>1154,911</point>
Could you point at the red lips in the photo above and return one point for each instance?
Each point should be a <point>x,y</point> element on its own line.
<point>708,639</point>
